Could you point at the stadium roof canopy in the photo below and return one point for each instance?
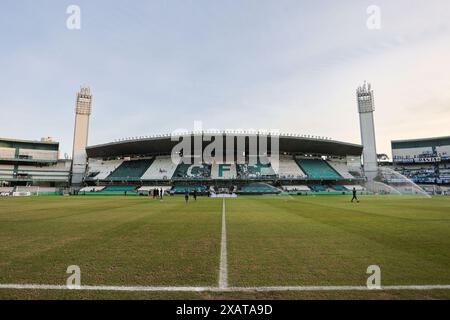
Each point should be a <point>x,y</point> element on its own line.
<point>163,144</point>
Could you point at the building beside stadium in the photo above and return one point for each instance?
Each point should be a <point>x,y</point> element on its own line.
<point>32,166</point>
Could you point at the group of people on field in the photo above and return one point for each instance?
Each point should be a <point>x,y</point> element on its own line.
<point>157,193</point>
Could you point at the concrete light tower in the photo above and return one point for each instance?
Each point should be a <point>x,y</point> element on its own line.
<point>81,133</point>
<point>364,96</point>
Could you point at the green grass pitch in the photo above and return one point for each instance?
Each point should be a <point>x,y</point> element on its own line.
<point>271,241</point>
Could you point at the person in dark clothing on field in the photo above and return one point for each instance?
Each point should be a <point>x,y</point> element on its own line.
<point>186,195</point>
<point>195,194</point>
<point>354,195</point>
<point>161,193</point>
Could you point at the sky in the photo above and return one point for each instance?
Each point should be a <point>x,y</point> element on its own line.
<point>290,65</point>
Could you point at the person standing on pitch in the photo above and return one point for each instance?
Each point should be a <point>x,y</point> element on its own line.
<point>354,195</point>
<point>186,195</point>
<point>195,194</point>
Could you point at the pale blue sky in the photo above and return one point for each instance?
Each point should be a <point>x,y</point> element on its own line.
<point>156,66</point>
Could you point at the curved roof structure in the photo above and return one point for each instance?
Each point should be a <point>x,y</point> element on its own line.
<point>163,144</point>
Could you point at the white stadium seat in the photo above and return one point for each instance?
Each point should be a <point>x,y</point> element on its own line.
<point>341,168</point>
<point>102,169</point>
<point>288,168</point>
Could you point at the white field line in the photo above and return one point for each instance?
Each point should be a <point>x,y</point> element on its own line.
<point>223,269</point>
<point>217,289</point>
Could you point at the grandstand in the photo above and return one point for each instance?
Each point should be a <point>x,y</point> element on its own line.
<point>305,164</point>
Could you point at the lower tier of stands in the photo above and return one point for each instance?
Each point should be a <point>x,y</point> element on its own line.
<point>190,189</point>
<point>261,188</point>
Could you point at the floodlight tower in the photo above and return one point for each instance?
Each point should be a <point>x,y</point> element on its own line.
<point>366,107</point>
<point>80,136</point>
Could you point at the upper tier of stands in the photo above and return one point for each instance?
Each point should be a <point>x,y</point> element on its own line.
<point>162,168</point>
<point>223,171</point>
<point>318,169</point>
<point>130,170</point>
<point>192,171</point>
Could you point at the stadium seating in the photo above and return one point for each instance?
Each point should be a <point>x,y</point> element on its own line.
<point>257,170</point>
<point>318,169</point>
<point>119,188</point>
<point>56,172</point>
<point>296,188</point>
<point>258,188</point>
<point>223,171</point>
<point>190,189</point>
<point>318,188</point>
<point>288,168</point>
<point>341,168</point>
<point>131,170</point>
<point>6,171</point>
<point>192,171</point>
<point>162,168</point>
<point>6,189</point>
<point>357,187</point>
<point>35,189</point>
<point>92,189</point>
<point>339,188</point>
<point>99,170</point>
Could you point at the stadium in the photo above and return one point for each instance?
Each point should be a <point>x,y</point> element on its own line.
<point>273,218</point>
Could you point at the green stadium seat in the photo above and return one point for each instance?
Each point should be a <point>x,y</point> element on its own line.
<point>318,169</point>
<point>130,170</point>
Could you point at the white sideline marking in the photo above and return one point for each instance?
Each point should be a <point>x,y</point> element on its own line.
<point>218,289</point>
<point>223,269</point>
